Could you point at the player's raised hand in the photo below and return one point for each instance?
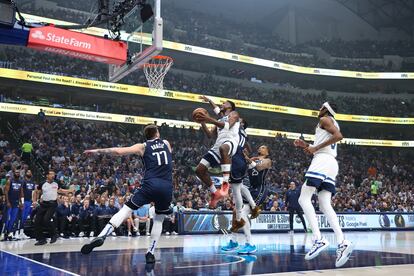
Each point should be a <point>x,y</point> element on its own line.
<point>202,117</point>
<point>300,143</point>
<point>205,98</point>
<point>88,152</point>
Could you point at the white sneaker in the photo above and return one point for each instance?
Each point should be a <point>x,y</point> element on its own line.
<point>113,234</point>
<point>91,234</point>
<point>317,247</point>
<point>174,233</point>
<point>138,233</point>
<point>343,252</point>
<point>167,233</point>
<point>81,234</point>
<point>24,237</point>
<point>148,234</point>
<point>135,229</point>
<point>129,234</point>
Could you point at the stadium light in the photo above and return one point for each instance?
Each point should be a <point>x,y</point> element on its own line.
<point>7,13</point>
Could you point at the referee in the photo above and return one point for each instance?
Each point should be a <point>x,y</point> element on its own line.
<point>46,211</point>
<point>292,204</point>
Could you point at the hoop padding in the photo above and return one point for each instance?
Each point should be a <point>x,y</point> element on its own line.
<point>155,71</point>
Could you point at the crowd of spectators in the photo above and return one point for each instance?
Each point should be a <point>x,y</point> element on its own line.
<point>217,32</point>
<point>370,179</point>
<point>279,94</point>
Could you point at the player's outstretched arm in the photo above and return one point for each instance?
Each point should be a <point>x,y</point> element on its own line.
<point>215,107</point>
<point>135,149</point>
<point>327,124</point>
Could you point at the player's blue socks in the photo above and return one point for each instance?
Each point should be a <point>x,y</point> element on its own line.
<point>232,245</point>
<point>247,249</point>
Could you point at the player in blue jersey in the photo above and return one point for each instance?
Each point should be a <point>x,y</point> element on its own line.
<point>14,192</point>
<point>253,197</point>
<point>28,188</point>
<point>156,187</point>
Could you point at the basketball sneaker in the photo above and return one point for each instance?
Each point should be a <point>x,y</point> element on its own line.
<point>236,225</point>
<point>232,245</point>
<point>96,242</point>
<point>343,253</point>
<point>255,212</point>
<point>247,249</point>
<point>149,258</point>
<point>317,247</point>
<point>215,198</point>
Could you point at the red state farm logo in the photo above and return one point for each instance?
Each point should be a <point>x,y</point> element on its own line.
<point>38,34</point>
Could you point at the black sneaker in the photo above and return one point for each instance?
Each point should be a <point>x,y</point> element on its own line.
<point>149,258</point>
<point>96,242</point>
<point>41,242</point>
<point>53,239</point>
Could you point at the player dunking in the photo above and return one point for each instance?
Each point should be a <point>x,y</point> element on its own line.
<point>321,177</point>
<point>227,133</point>
<point>156,187</point>
<point>254,196</point>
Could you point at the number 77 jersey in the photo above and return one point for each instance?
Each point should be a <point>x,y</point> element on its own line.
<point>157,160</point>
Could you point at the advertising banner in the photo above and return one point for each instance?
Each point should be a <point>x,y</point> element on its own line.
<point>139,120</point>
<point>208,222</point>
<point>77,45</point>
<point>186,96</point>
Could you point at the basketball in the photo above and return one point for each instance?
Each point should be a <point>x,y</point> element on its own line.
<point>198,111</point>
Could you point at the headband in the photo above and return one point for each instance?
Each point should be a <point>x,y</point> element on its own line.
<point>327,106</point>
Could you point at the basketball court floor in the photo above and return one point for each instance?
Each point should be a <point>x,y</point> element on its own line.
<point>376,253</point>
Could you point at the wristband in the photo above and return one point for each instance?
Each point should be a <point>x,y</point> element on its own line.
<point>217,110</point>
<point>252,165</point>
<point>22,200</point>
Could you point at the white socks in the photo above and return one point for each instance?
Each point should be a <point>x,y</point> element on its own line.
<point>156,232</point>
<point>305,201</point>
<point>246,227</point>
<point>248,196</point>
<point>116,221</point>
<point>238,200</point>
<point>326,207</point>
<point>213,188</point>
<point>226,169</point>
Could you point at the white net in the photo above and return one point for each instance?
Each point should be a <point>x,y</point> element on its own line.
<point>155,71</point>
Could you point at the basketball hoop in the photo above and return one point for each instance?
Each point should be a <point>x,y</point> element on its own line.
<point>155,71</point>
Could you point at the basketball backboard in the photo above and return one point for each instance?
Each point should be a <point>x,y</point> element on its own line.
<point>144,40</point>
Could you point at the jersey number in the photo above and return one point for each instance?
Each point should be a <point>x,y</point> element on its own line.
<point>159,159</point>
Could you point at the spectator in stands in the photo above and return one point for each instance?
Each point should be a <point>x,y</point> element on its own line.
<point>86,219</point>
<point>64,218</point>
<point>141,219</point>
<point>27,149</point>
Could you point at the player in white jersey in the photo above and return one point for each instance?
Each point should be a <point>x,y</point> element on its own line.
<point>227,140</point>
<point>320,178</point>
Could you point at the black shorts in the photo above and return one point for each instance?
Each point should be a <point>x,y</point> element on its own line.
<point>155,190</point>
<point>238,167</point>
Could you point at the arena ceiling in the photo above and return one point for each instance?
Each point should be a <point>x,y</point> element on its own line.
<point>384,13</point>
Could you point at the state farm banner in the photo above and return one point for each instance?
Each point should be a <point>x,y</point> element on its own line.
<point>209,222</point>
<point>78,45</point>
